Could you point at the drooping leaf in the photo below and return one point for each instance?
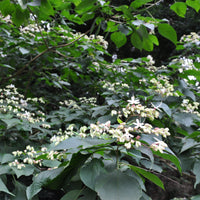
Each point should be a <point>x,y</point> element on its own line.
<point>168,32</point>
<point>117,186</point>
<point>171,158</point>
<point>153,178</point>
<point>179,8</point>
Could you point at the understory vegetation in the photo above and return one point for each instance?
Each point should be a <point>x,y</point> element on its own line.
<point>90,109</point>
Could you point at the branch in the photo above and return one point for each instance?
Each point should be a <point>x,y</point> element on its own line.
<point>39,55</point>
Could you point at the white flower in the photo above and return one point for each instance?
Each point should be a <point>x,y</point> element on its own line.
<point>133,101</point>
<point>138,124</point>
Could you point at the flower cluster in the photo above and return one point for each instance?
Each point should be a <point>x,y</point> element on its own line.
<point>162,86</point>
<point>127,132</point>
<point>14,103</point>
<point>190,107</point>
<point>193,38</point>
<point>114,86</point>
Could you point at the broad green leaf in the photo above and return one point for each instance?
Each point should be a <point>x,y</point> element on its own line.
<point>147,44</point>
<point>40,180</point>
<point>153,178</point>
<point>71,195</point>
<point>188,143</point>
<point>119,39</point>
<point>179,8</point>
<point>117,186</point>
<point>11,122</point>
<point>168,32</point>
<point>138,3</point>
<point>185,119</point>
<point>75,142</point>
<point>46,9</point>
<point>24,171</point>
<point>136,40</point>
<point>20,16</point>
<point>6,7</point>
<point>171,158</point>
<point>196,171</point>
<point>3,188</point>
<point>91,171</point>
<point>195,4</point>
<point>5,158</point>
<point>85,6</point>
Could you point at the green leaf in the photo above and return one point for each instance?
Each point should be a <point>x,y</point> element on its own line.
<point>169,157</point>
<point>138,3</point>
<point>24,171</point>
<point>154,39</point>
<point>6,7</point>
<point>91,171</point>
<point>117,186</point>
<point>5,158</point>
<point>179,8</point>
<point>196,171</point>
<point>3,188</point>
<point>119,39</point>
<point>71,195</point>
<point>11,122</point>
<point>46,9</point>
<point>194,4</point>
<point>20,191</point>
<point>147,44</point>
<point>66,175</point>
<point>136,40</point>
<point>40,180</point>
<point>153,178</point>
<point>85,6</point>
<point>20,16</point>
<point>168,32</point>
<point>75,142</point>
<point>185,119</point>
<point>188,143</point>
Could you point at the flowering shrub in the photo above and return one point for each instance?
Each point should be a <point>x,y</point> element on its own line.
<point>105,127</point>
